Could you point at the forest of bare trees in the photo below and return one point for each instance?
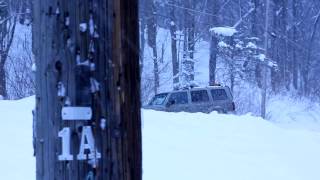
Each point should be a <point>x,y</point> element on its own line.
<point>283,40</point>
<point>292,41</point>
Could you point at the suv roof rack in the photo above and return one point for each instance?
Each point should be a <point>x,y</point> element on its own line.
<point>187,87</point>
<point>215,84</point>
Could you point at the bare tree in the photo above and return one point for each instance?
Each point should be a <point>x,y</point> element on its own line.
<point>187,63</point>
<point>295,66</point>
<point>8,20</point>
<point>20,65</point>
<point>152,40</point>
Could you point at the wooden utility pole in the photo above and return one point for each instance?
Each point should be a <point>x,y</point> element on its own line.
<point>214,6</point>
<point>87,123</point>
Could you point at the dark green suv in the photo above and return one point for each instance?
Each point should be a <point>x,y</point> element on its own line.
<point>208,99</point>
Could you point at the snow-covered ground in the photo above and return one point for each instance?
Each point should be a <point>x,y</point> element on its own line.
<point>16,152</point>
<point>226,147</point>
<point>184,146</point>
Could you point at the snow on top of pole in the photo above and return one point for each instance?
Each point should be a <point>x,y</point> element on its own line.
<point>223,31</point>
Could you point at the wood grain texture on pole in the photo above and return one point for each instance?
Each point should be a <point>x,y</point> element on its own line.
<point>59,39</point>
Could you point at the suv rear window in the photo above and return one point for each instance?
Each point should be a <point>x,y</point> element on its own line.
<point>159,99</point>
<point>178,98</point>
<point>219,94</point>
<point>199,96</point>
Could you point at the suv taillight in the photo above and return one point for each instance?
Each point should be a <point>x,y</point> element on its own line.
<point>233,106</point>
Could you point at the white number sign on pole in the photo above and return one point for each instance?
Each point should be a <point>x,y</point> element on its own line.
<point>65,134</point>
<point>87,143</point>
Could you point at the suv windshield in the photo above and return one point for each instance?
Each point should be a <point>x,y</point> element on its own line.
<point>159,99</point>
<point>219,94</point>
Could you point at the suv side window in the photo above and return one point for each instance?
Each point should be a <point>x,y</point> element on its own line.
<point>219,94</point>
<point>199,96</point>
<point>158,99</point>
<point>178,98</point>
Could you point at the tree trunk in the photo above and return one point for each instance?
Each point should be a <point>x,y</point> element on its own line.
<point>280,78</point>
<point>77,44</point>
<point>255,33</point>
<point>213,59</point>
<point>152,42</point>
<point>294,50</point>
<point>142,17</point>
<point>174,53</point>
<point>264,69</point>
<point>214,8</point>
<point>191,41</point>
<point>189,45</point>
<point>3,83</point>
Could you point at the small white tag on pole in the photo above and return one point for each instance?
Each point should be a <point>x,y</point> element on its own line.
<point>76,113</point>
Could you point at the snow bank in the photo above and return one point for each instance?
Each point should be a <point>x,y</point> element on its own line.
<point>17,162</point>
<point>226,147</point>
<point>294,113</point>
<point>190,146</point>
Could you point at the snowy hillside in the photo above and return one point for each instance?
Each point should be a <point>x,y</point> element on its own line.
<point>184,146</point>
